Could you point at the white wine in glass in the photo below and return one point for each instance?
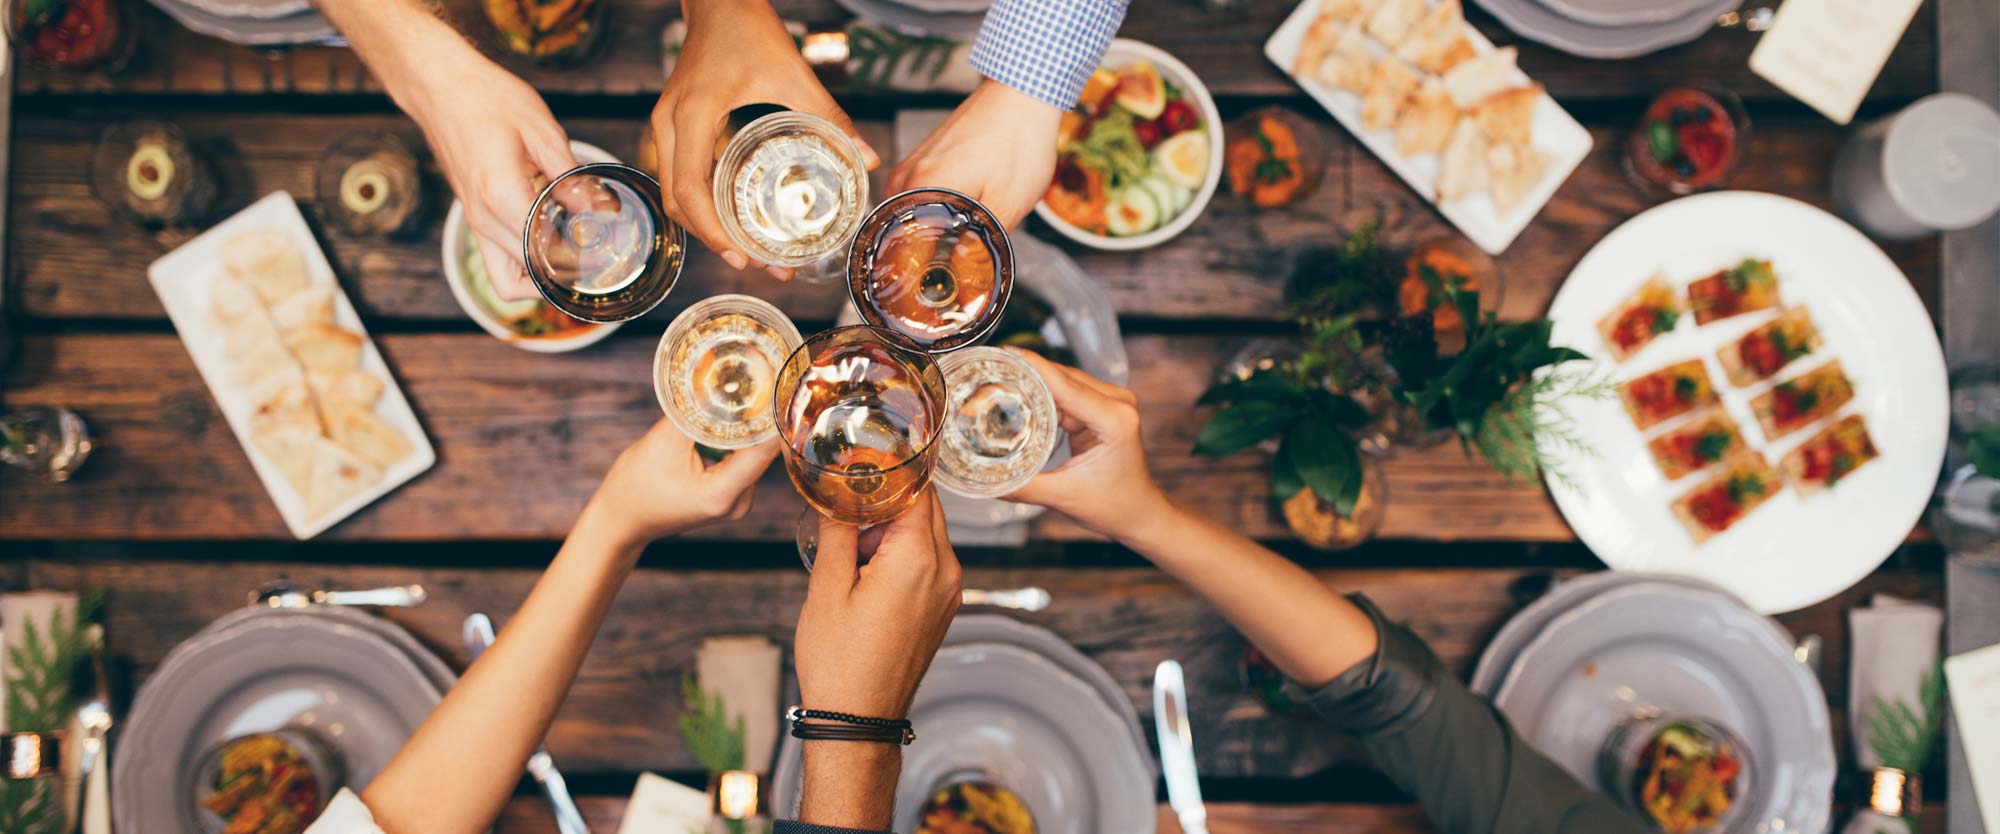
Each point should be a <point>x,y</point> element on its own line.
<point>1000,423</point>
<point>790,189</point>
<point>716,369</point>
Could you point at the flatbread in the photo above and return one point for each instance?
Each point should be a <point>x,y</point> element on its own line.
<point>291,451</point>
<point>1389,86</point>
<point>1696,444</point>
<point>231,299</point>
<point>325,348</point>
<point>1348,64</point>
<point>1317,44</point>
<point>1462,173</point>
<point>1846,438</point>
<point>345,391</point>
<point>1510,116</point>
<point>337,476</point>
<point>1483,76</point>
<point>305,308</point>
<point>1438,42</point>
<point>1827,386</point>
<point>1427,121</point>
<point>1394,20</point>
<point>1347,11</point>
<point>1750,467</point>
<point>1793,329</point>
<point>1515,170</point>
<point>1657,295</point>
<point>290,408</point>
<point>369,438</point>
<point>267,261</point>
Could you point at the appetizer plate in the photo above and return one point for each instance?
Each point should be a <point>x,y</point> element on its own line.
<point>1124,52</point>
<point>455,232</point>
<point>1688,652</point>
<point>1528,623</point>
<point>1533,20</point>
<point>1625,12</point>
<point>256,672</point>
<point>1790,552</point>
<point>1556,133</point>
<point>183,279</point>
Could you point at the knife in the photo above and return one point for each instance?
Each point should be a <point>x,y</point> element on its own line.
<point>479,635</point>
<point>1170,718</point>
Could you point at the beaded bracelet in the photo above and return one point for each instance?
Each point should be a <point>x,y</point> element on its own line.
<point>807,726</point>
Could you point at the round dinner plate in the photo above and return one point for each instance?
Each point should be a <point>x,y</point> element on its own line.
<point>1541,23</point>
<point>1626,12</point>
<point>1687,652</point>
<point>260,670</point>
<point>253,9</point>
<point>1528,623</point>
<point>1790,552</point>
<point>307,27</point>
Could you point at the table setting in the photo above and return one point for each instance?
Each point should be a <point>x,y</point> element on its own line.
<point>1617,349</point>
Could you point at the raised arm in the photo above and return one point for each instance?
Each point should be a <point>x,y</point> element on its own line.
<point>1377,680</point>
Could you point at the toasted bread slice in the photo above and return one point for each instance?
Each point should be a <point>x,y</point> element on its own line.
<point>1825,458</point>
<point>1389,89</point>
<point>1723,501</point>
<point>1462,173</point>
<point>267,261</point>
<point>1427,121</point>
<point>1677,389</point>
<point>1648,312</point>
<point>1509,116</point>
<point>1697,444</point>
<point>1767,349</point>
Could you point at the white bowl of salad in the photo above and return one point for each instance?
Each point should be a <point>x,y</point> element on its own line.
<point>1139,157</point>
<point>529,324</point>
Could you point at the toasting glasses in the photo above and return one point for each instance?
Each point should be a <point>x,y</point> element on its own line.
<point>790,188</point>
<point>598,245</point>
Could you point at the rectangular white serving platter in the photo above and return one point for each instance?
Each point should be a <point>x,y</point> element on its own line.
<point>1556,134</point>
<point>184,278</point>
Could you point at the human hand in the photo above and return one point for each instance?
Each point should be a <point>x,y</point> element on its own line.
<point>737,53</point>
<point>1105,485</point>
<point>498,144</point>
<point>660,486</point>
<point>998,147</point>
<point>868,632</point>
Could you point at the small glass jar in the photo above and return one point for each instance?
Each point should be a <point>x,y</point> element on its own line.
<point>148,173</point>
<point>1690,140</point>
<point>551,33</point>
<point>49,442</point>
<point>320,758</point>
<point>74,35</point>
<point>1314,521</point>
<point>1624,764</point>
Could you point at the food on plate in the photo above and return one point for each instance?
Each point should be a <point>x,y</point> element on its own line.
<point>1347,11</point>
<point>1651,310</point>
<point>263,785</point>
<point>1482,77</point>
<point>1825,458</point>
<point>267,261</point>
<point>1802,400</point>
<point>1446,265</point>
<point>1687,778</point>
<point>1265,162</point>
<point>1462,172</point>
<point>528,318</point>
<point>1509,116</point>
<point>1389,88</point>
<point>1746,482</point>
<point>1438,42</point>
<point>1131,156</point>
<point>1427,124</point>
<point>1696,444</point>
<point>1514,170</point>
<point>1687,141</point>
<point>1747,287</point>
<point>1394,20</point>
<point>1766,350</point>
<point>547,30</point>
<point>975,808</point>
<point>1343,59</point>
<point>1667,393</point>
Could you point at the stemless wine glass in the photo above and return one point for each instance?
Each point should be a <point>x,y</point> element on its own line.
<point>717,367</point>
<point>789,189</point>
<point>933,265</point>
<point>858,410</point>
<point>598,245</point>
<point>1000,423</point>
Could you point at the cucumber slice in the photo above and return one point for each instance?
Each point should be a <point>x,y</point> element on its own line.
<point>1182,198</point>
<point>1133,211</point>
<point>1162,193</point>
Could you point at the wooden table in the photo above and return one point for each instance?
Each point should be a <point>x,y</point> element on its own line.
<point>170,520</point>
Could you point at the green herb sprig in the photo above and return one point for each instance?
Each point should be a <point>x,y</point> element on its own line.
<point>39,671</point>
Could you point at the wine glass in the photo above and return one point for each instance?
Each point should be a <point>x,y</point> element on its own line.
<point>717,367</point>
<point>858,410</point>
<point>598,245</point>
<point>933,265</point>
<point>1000,423</point>
<point>789,189</point>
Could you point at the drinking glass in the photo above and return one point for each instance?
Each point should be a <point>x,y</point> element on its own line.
<point>49,442</point>
<point>370,184</point>
<point>933,265</point>
<point>717,366</point>
<point>149,173</point>
<point>789,189</point>
<point>1622,763</point>
<point>1000,423</point>
<point>858,410</point>
<point>74,35</point>
<point>598,245</point>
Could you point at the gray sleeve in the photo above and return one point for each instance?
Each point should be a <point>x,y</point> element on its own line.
<point>794,827</point>
<point>1452,750</point>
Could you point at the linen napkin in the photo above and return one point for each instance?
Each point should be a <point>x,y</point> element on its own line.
<point>746,673</point>
<point>662,805</point>
<point>1894,653</point>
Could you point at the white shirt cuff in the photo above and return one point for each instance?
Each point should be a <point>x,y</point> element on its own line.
<point>345,815</point>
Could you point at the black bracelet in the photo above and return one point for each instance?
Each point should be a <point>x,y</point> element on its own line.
<point>813,725</point>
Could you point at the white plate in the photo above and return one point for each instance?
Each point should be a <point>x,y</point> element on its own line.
<point>1791,552</point>
<point>1125,52</point>
<point>183,279</point>
<point>1556,134</point>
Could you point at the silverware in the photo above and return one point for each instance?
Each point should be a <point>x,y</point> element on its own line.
<point>92,689</point>
<point>478,633</point>
<point>1750,20</point>
<point>282,594</point>
<point>1019,599</point>
<point>1170,719</point>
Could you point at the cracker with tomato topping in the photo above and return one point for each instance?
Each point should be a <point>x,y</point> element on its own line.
<point>1802,400</point>
<point>1718,503</point>
<point>1747,287</point>
<point>1667,393</point>
<point>1696,445</point>
<point>1766,350</point>
<point>1651,310</point>
<point>1825,458</point>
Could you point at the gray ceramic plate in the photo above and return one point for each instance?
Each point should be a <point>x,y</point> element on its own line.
<point>306,27</point>
<point>260,670</point>
<point>251,9</point>
<point>957,25</point>
<point>978,7</point>
<point>1526,624</point>
<point>1685,652</point>
<point>1625,12</point>
<point>1536,22</point>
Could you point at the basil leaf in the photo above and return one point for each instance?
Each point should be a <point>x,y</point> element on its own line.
<point>1984,449</point>
<point>1261,386</point>
<point>1662,141</point>
<point>1285,481</point>
<point>1242,425</point>
<point>1327,460</point>
<point>1342,411</point>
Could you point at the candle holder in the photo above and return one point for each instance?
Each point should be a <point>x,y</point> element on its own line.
<point>370,185</point>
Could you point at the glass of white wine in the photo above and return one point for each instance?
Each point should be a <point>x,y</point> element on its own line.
<point>1000,423</point>
<point>717,367</point>
<point>790,189</point>
<point>598,244</point>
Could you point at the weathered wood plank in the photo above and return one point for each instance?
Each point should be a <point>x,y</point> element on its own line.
<point>619,717</point>
<point>524,815</point>
<point>71,258</point>
<point>523,439</point>
<point>1225,49</point>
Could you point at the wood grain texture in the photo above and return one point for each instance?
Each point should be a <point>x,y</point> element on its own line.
<point>530,815</point>
<point>523,439</point>
<point>72,259</point>
<point>619,716</point>
<point>1225,49</point>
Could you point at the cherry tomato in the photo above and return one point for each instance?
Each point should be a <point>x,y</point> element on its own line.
<point>1177,117</point>
<point>1149,133</point>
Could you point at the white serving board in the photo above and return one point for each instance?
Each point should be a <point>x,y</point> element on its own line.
<point>184,278</point>
<point>1556,134</point>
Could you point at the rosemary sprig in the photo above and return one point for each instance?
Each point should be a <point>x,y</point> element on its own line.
<point>39,671</point>
<point>715,741</point>
<point>1902,737</point>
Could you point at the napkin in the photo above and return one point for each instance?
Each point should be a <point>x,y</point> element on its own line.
<point>745,672</point>
<point>662,805</point>
<point>1895,651</point>
<point>1975,703</point>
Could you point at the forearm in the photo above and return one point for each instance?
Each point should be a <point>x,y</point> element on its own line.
<point>850,784</point>
<point>405,44</point>
<point>460,766</point>
<point>1311,632</point>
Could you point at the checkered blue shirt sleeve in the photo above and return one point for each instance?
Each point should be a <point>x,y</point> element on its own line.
<point>1046,48</point>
